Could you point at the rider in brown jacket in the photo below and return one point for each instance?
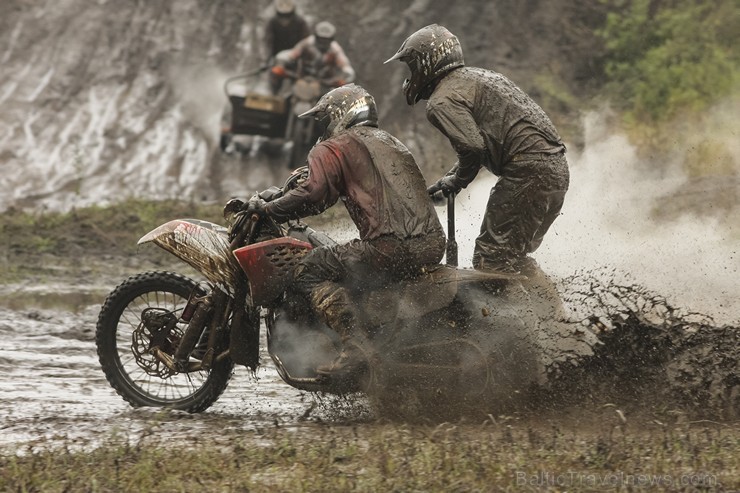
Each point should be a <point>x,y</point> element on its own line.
<point>384,192</point>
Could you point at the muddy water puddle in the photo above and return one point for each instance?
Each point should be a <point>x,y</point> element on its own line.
<point>52,389</point>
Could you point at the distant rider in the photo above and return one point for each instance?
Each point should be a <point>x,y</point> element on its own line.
<point>285,29</point>
<point>318,55</point>
<point>384,192</point>
<point>491,124</point>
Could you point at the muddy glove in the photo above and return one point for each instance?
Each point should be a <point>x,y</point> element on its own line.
<point>447,184</point>
<point>333,82</point>
<point>232,207</point>
<point>255,206</point>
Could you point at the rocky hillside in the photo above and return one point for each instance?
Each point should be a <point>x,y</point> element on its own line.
<point>105,100</point>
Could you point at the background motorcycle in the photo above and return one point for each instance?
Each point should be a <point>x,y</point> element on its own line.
<point>166,340</point>
<point>275,117</point>
<point>302,133</point>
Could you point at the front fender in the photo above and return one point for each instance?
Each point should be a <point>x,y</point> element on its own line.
<point>201,244</point>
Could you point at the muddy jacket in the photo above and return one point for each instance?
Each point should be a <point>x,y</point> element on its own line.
<point>490,122</point>
<point>283,35</point>
<point>332,66</point>
<point>377,179</point>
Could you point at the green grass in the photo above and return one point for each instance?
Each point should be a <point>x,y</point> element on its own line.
<point>41,245</point>
<point>93,229</point>
<point>392,457</point>
<point>98,229</point>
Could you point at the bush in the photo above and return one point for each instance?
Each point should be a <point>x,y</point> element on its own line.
<point>665,57</point>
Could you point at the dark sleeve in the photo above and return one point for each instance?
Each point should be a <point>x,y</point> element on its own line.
<point>296,52</point>
<point>304,29</point>
<point>269,38</point>
<point>319,192</point>
<point>454,119</point>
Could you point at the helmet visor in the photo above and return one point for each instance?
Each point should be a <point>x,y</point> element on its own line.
<point>323,44</point>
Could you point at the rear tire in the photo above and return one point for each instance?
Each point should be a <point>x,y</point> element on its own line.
<point>224,142</point>
<point>118,329</point>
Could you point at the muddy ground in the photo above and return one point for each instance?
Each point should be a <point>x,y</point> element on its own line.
<point>654,364</point>
<point>53,390</point>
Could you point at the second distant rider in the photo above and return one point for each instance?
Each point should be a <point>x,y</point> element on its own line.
<point>318,55</point>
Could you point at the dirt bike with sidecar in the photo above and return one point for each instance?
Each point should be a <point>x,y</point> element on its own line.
<point>255,113</point>
<point>167,340</point>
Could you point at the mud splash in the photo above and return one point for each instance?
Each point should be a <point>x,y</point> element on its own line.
<point>652,354</point>
<point>618,345</point>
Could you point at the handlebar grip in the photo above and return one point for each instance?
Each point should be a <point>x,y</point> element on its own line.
<point>437,197</point>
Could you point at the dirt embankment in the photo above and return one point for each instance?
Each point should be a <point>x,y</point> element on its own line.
<point>113,100</point>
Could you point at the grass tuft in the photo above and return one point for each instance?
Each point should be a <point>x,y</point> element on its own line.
<point>398,457</point>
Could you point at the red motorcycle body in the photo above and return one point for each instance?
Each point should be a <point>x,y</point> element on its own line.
<point>269,266</point>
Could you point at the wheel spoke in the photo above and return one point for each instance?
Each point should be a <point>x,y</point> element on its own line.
<point>131,324</point>
<point>166,388</point>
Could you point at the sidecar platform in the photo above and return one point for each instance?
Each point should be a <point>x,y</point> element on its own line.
<point>258,114</point>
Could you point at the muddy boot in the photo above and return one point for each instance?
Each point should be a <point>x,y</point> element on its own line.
<point>332,302</point>
<point>501,266</point>
<point>546,300</point>
<point>351,362</point>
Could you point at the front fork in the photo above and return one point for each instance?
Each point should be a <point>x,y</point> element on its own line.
<point>201,312</point>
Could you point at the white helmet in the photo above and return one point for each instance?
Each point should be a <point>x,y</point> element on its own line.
<point>284,6</point>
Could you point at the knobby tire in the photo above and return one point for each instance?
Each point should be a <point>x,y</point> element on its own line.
<point>115,351</point>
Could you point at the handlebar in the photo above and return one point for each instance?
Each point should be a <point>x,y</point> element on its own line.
<point>244,233</point>
<point>295,75</point>
<point>251,73</point>
<point>438,198</point>
<point>451,250</point>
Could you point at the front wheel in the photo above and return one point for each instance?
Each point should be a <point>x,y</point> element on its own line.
<point>302,144</point>
<point>224,141</point>
<point>124,342</point>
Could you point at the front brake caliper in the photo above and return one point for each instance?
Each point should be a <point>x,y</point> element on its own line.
<point>159,324</point>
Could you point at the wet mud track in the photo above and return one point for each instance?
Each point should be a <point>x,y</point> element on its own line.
<point>53,390</point>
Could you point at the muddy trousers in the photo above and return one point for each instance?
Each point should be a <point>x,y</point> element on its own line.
<point>522,206</point>
<point>330,277</point>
